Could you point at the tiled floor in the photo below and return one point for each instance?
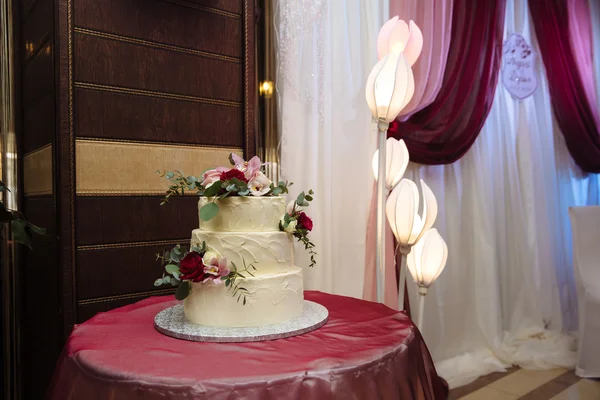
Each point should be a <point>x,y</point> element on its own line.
<point>556,384</point>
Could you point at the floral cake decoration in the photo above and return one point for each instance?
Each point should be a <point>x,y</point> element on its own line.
<point>244,178</point>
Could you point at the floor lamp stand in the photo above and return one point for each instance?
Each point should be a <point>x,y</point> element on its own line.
<point>404,250</point>
<point>382,127</point>
<point>422,293</point>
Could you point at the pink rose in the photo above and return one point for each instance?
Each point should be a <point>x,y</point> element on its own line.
<point>213,175</point>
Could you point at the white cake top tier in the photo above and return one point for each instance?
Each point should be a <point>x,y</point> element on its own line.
<point>245,214</point>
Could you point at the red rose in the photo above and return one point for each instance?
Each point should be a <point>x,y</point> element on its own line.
<point>192,267</point>
<point>305,221</point>
<point>233,173</point>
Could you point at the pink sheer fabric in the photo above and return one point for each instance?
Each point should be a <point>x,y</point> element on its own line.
<point>434,18</point>
<point>563,29</point>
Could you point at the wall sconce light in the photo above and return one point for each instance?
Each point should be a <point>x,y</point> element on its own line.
<point>266,89</point>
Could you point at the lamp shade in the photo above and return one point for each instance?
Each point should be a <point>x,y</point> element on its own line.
<point>396,158</point>
<point>427,258</point>
<point>402,209</point>
<point>397,34</point>
<point>390,87</point>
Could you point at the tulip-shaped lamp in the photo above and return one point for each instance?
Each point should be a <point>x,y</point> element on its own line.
<point>390,87</point>
<point>426,262</point>
<point>396,158</point>
<point>402,209</point>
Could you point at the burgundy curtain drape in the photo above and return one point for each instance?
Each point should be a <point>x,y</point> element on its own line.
<point>443,132</point>
<point>563,30</point>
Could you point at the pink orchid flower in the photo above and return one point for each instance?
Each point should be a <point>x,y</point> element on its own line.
<point>218,269</point>
<point>397,36</point>
<point>249,168</point>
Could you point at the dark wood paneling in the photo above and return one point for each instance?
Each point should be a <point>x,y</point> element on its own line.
<point>87,311</point>
<point>114,63</point>
<point>41,326</point>
<point>38,74</point>
<point>124,116</point>
<point>113,219</point>
<point>234,6</point>
<point>65,170</point>
<point>110,272</point>
<point>38,28</point>
<point>38,122</point>
<point>163,22</point>
<point>27,7</point>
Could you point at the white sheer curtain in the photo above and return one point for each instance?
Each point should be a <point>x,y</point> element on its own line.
<point>326,50</point>
<point>507,292</point>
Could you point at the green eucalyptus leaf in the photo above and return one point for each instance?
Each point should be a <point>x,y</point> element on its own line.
<point>197,249</point>
<point>169,174</point>
<point>305,203</point>
<point>310,191</point>
<point>208,211</point>
<point>183,290</point>
<point>308,197</point>
<point>166,280</point>
<point>174,255</point>
<point>21,234</point>
<point>300,198</point>
<point>244,193</point>
<point>277,191</point>
<point>231,188</point>
<point>172,269</point>
<point>158,282</point>
<point>213,189</point>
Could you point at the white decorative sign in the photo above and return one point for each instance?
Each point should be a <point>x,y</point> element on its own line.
<point>518,67</point>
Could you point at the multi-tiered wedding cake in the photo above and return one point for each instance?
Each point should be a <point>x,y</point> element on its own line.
<point>240,271</point>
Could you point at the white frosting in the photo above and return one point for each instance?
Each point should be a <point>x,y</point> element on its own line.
<point>270,252</point>
<point>245,214</point>
<point>271,299</point>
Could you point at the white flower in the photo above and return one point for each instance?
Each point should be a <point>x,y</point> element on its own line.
<point>259,185</point>
<point>209,256</point>
<point>290,207</point>
<point>291,228</point>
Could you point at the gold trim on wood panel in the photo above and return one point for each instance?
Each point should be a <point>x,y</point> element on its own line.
<point>157,45</point>
<point>106,299</point>
<point>130,244</point>
<point>208,146</point>
<point>152,93</point>
<point>206,8</point>
<point>37,172</point>
<point>106,167</point>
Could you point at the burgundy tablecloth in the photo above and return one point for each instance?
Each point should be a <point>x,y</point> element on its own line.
<point>365,351</point>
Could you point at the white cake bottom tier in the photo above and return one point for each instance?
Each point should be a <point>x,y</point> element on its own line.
<point>270,299</point>
<point>269,252</point>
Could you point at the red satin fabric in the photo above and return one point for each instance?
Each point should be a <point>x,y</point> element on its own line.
<point>564,34</point>
<point>365,351</point>
<point>442,132</point>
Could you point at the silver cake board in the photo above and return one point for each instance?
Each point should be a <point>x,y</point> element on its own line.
<point>172,322</point>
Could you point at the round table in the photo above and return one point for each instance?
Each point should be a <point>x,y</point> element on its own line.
<point>365,351</point>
